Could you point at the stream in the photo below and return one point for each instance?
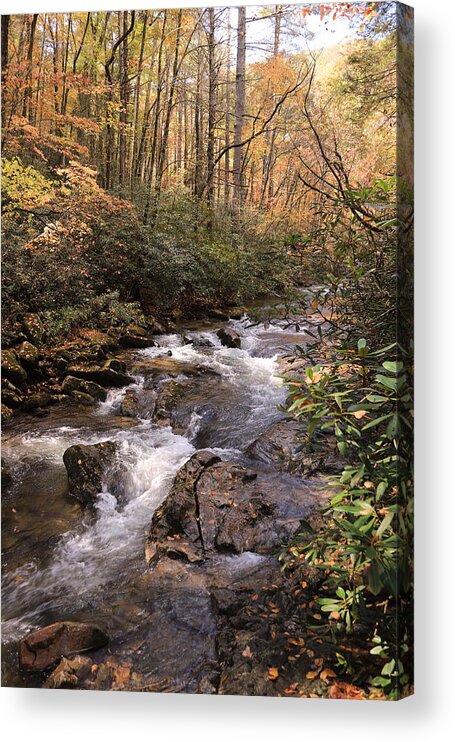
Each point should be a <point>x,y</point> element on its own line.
<point>63,563</point>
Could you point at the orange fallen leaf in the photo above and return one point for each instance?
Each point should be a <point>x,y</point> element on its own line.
<point>344,690</point>
<point>327,673</point>
<point>359,414</point>
<point>272,673</point>
<point>313,674</point>
<point>297,642</point>
<point>335,615</point>
<point>247,652</point>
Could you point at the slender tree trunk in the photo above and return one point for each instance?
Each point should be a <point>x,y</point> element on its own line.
<point>137,98</point>
<point>239,113</point>
<point>26,112</point>
<point>161,163</point>
<point>227,133</point>
<point>211,109</point>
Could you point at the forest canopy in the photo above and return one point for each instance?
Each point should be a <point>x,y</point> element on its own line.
<point>187,149</point>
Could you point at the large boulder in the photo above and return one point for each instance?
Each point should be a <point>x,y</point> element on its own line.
<point>12,369</point>
<point>229,337</point>
<point>71,384</point>
<point>33,328</point>
<point>221,506</point>
<point>43,648</point>
<point>27,354</point>
<point>88,467</point>
<point>175,528</point>
<point>104,375</point>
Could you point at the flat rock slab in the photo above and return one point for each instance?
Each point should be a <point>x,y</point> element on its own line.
<point>43,648</point>
<point>225,507</point>
<point>104,376</point>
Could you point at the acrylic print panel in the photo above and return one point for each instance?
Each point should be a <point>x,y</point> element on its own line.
<point>207,350</point>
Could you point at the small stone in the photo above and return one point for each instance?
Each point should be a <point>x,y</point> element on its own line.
<point>229,337</point>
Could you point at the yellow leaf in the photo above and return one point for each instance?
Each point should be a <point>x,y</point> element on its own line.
<point>313,674</point>
<point>359,414</point>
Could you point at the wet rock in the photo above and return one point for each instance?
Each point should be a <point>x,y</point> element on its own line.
<point>7,413</point>
<point>72,384</point>
<point>229,337</point>
<point>83,398</point>
<point>198,342</point>
<point>43,648</point>
<point>69,672</point>
<point>103,376</point>
<point>27,354</point>
<point>33,328</point>
<point>87,468</point>
<point>115,365</point>
<point>170,393</point>
<point>130,405</point>
<point>178,515</point>
<point>135,341</point>
<point>220,506</point>
<point>277,446</point>
<point>12,369</point>
<point>40,399</point>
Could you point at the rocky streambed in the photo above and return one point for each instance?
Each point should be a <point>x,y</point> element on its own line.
<point>141,526</point>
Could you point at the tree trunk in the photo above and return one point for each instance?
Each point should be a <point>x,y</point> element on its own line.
<point>211,109</point>
<point>239,113</point>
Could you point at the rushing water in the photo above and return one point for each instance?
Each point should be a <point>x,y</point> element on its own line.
<point>60,562</point>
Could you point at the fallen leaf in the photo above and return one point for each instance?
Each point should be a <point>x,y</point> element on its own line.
<point>359,414</point>
<point>247,652</point>
<point>334,615</point>
<point>344,690</point>
<point>313,674</point>
<point>327,673</point>
<point>272,673</point>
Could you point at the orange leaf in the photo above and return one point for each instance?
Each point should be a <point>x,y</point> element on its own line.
<point>359,414</point>
<point>272,673</point>
<point>328,673</point>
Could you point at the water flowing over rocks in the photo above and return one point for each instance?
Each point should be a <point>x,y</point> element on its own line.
<point>185,433</point>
